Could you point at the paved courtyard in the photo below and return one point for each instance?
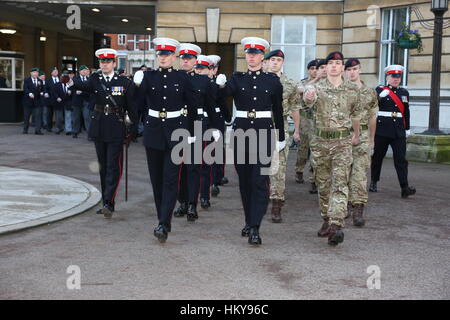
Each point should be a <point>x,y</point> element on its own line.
<point>406,240</point>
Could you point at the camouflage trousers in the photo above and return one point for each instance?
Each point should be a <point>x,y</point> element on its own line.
<point>303,152</point>
<point>333,159</point>
<point>358,175</point>
<point>278,168</point>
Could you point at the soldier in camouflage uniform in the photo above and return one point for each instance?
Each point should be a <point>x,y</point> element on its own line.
<point>358,193</point>
<point>317,72</point>
<point>336,111</point>
<point>291,108</point>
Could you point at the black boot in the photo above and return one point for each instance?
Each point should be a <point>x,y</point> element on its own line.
<point>313,189</point>
<point>181,210</point>
<point>245,231</point>
<point>215,190</point>
<point>335,235</point>
<point>254,237</point>
<point>408,191</point>
<point>192,213</point>
<point>204,203</point>
<point>160,232</point>
<point>223,181</point>
<point>108,209</point>
<point>373,187</point>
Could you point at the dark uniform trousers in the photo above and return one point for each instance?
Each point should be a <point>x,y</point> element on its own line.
<point>165,90</point>
<point>107,128</point>
<point>255,91</point>
<point>222,115</point>
<point>390,131</point>
<point>196,177</point>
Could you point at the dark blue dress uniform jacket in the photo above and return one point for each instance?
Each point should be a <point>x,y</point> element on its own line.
<point>389,126</point>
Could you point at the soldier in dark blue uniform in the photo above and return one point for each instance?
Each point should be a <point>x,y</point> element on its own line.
<point>222,116</point>
<point>392,129</point>
<point>80,101</point>
<point>194,175</point>
<point>32,104</point>
<point>113,97</point>
<point>258,98</point>
<point>166,92</point>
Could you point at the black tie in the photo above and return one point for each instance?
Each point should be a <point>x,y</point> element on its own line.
<point>107,78</point>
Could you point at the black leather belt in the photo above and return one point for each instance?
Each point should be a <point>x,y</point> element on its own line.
<point>107,109</point>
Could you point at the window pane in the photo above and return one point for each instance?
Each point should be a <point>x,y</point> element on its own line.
<point>384,61</point>
<point>385,25</point>
<point>399,21</point>
<point>293,30</point>
<point>293,62</point>
<point>5,73</point>
<point>310,30</point>
<point>310,54</point>
<point>19,73</point>
<point>276,29</point>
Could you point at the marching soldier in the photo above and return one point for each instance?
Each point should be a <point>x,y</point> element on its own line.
<point>195,177</point>
<point>32,105</point>
<point>392,129</point>
<point>291,107</point>
<point>113,97</point>
<point>80,102</point>
<point>166,92</point>
<point>336,112</point>
<point>306,126</point>
<point>45,99</point>
<point>258,97</point>
<point>222,116</point>
<point>357,187</point>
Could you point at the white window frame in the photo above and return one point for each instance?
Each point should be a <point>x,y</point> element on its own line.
<point>391,42</point>
<point>303,44</point>
<point>121,39</point>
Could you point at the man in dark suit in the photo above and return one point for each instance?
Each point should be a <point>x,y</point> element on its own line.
<point>166,91</point>
<point>32,88</point>
<point>49,83</point>
<point>392,129</point>
<point>61,98</point>
<point>80,102</point>
<point>113,97</point>
<point>45,99</point>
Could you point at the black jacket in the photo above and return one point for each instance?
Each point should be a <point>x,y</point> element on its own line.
<point>110,127</point>
<point>259,91</point>
<point>389,126</point>
<point>29,87</point>
<point>78,99</point>
<point>166,90</point>
<point>65,96</point>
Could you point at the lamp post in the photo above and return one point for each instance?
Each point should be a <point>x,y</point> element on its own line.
<point>438,7</point>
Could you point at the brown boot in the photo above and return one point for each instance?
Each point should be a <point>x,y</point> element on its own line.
<point>299,177</point>
<point>276,211</point>
<point>358,220</point>
<point>349,210</point>
<point>323,232</point>
<point>335,235</point>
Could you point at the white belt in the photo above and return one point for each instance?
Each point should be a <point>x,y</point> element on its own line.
<point>164,114</point>
<point>253,114</point>
<point>390,114</point>
<point>217,109</point>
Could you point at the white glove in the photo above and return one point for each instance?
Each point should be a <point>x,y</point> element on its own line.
<point>69,92</point>
<point>280,145</point>
<point>31,95</point>
<point>408,133</point>
<point>42,93</point>
<point>59,99</point>
<point>138,77</point>
<point>70,83</point>
<point>46,95</point>
<point>79,92</point>
<point>221,79</point>
<point>216,135</point>
<point>191,140</point>
<point>384,93</point>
